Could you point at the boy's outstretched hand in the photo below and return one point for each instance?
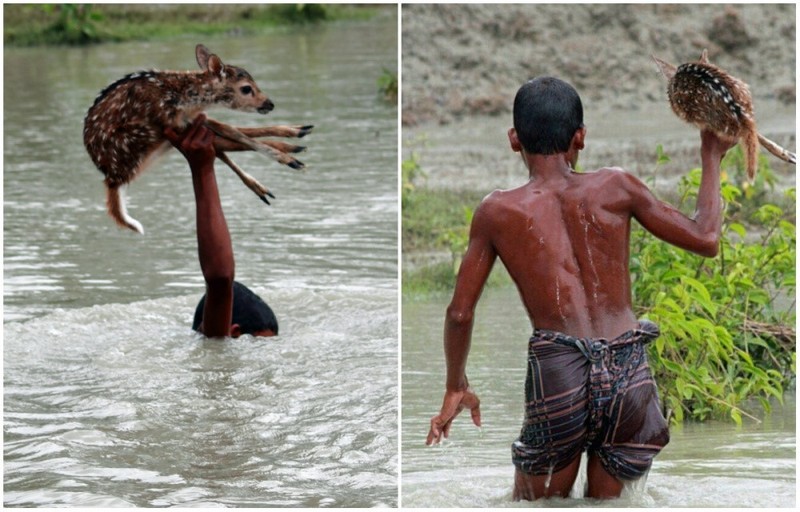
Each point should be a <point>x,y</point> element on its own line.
<point>196,142</point>
<point>454,403</point>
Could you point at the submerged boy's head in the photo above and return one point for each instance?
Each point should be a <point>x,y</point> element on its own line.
<point>251,314</point>
<point>547,113</point>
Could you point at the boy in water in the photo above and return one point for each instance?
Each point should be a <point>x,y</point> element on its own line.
<point>228,308</point>
<point>564,238</point>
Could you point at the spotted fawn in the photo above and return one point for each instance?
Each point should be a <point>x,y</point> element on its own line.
<point>708,97</point>
<point>124,129</point>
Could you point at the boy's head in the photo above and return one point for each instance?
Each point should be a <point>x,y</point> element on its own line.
<point>251,314</point>
<point>547,113</point>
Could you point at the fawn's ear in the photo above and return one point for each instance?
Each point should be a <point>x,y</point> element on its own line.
<point>215,66</point>
<point>209,61</point>
<point>667,69</point>
<point>202,54</point>
<point>704,57</point>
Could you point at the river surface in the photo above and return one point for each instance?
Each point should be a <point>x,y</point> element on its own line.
<point>713,464</point>
<point>474,153</point>
<point>109,398</point>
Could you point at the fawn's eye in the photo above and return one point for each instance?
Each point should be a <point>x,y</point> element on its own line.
<point>246,89</point>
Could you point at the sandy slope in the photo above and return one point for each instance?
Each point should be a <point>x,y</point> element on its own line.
<point>462,65</point>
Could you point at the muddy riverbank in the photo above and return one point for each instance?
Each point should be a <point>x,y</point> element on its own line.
<point>463,64</point>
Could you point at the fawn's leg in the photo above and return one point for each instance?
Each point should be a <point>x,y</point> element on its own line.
<point>229,132</point>
<point>775,149</point>
<point>278,131</point>
<point>260,190</point>
<point>228,145</point>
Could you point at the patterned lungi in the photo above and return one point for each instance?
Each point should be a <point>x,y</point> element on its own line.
<point>590,394</point>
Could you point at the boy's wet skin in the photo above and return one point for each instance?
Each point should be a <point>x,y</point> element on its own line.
<point>564,239</point>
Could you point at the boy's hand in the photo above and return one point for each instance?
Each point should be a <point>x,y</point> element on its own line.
<point>454,403</point>
<point>196,142</point>
<point>715,145</point>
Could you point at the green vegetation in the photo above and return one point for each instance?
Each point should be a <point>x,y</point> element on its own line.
<point>727,323</point>
<point>41,24</point>
<point>436,220</point>
<point>387,85</point>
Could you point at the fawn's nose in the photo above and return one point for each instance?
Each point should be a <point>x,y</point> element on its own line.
<point>265,107</point>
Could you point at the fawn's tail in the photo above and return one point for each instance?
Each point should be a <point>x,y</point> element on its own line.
<point>116,209</point>
<point>751,153</point>
<point>783,154</point>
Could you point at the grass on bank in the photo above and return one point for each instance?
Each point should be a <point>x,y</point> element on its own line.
<point>435,221</point>
<point>84,24</point>
<point>58,24</point>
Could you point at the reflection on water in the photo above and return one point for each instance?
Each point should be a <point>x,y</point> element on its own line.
<point>109,399</point>
<point>705,465</point>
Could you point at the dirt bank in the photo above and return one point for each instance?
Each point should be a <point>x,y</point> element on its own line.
<point>462,65</point>
<point>461,60</point>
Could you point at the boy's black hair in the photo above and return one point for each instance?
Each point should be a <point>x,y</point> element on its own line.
<point>547,113</point>
<point>249,311</point>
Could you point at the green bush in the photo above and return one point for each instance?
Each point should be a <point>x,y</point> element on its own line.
<point>74,24</point>
<point>387,85</point>
<point>434,219</point>
<point>727,323</point>
<point>301,13</point>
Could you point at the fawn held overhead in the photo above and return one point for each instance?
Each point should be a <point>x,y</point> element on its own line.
<point>124,129</point>
<point>708,97</point>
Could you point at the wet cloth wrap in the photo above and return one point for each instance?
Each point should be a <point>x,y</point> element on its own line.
<point>590,394</point>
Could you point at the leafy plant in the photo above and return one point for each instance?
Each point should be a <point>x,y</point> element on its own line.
<point>433,219</point>
<point>727,322</point>
<point>301,13</point>
<point>75,23</point>
<point>387,85</point>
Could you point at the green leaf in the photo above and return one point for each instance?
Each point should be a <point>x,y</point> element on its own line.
<point>736,417</point>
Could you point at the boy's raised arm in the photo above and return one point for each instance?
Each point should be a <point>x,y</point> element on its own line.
<point>700,233</point>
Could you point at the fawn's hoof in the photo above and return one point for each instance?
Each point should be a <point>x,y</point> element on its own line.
<point>305,130</point>
<point>296,164</point>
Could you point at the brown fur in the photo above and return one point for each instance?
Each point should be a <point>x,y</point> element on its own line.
<point>124,129</point>
<point>708,97</point>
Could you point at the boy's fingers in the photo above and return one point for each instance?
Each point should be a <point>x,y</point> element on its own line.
<point>476,415</point>
<point>446,429</point>
<point>208,136</point>
<point>170,134</point>
<point>191,130</point>
<point>435,433</point>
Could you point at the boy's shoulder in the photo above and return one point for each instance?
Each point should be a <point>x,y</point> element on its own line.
<point>613,176</point>
<point>607,173</point>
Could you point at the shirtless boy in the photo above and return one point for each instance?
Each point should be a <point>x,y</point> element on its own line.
<point>564,238</point>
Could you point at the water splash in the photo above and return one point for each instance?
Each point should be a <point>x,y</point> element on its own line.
<point>635,493</point>
<point>548,479</point>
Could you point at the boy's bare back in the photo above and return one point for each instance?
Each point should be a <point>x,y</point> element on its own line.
<point>565,243</point>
